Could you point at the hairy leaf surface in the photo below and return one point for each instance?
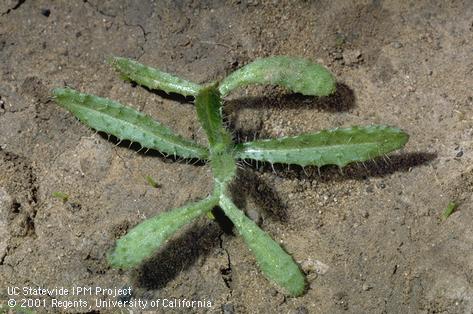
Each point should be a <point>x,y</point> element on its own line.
<point>153,78</point>
<point>144,239</point>
<point>329,147</point>
<point>209,110</point>
<point>275,263</point>
<point>297,74</point>
<point>126,123</point>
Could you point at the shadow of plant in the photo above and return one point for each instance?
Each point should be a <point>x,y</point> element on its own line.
<point>178,255</point>
<point>342,100</point>
<point>378,167</point>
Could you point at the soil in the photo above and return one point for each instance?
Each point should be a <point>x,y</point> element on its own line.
<point>371,237</point>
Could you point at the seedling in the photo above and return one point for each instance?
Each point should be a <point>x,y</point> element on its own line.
<point>61,196</point>
<point>151,182</point>
<point>339,147</point>
<point>451,207</point>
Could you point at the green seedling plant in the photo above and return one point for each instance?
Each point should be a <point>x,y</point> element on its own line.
<point>339,146</point>
<point>151,182</point>
<point>448,211</point>
<point>61,196</point>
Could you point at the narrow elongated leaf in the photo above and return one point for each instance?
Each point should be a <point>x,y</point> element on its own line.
<point>126,123</point>
<point>329,147</point>
<point>144,239</point>
<point>209,110</point>
<point>275,263</point>
<point>297,74</point>
<point>153,78</point>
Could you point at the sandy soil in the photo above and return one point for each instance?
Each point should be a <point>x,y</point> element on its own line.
<point>371,239</point>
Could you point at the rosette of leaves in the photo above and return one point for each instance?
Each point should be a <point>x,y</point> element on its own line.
<point>339,146</point>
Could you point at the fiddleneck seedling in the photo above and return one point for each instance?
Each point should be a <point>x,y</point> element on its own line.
<point>339,146</point>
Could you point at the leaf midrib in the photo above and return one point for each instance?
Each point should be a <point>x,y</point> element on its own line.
<point>323,147</point>
<point>147,131</point>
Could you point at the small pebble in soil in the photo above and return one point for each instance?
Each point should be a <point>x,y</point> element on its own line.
<point>310,266</point>
<point>311,277</point>
<point>228,308</point>
<point>277,298</point>
<point>352,57</point>
<point>254,215</point>
<point>73,207</point>
<point>340,298</point>
<point>366,287</point>
<point>46,12</point>
<point>459,154</point>
<point>397,45</point>
<point>301,310</point>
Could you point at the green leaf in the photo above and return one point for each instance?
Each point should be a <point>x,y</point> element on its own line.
<point>144,239</point>
<point>151,182</point>
<point>61,196</point>
<point>297,74</point>
<point>153,78</point>
<point>126,123</point>
<point>451,207</point>
<point>209,111</point>
<point>275,263</point>
<point>329,147</point>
